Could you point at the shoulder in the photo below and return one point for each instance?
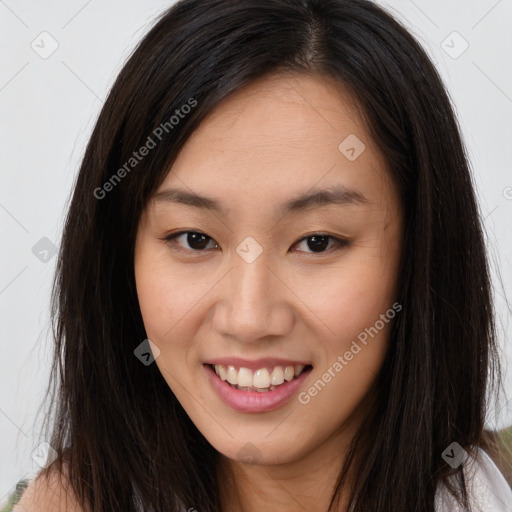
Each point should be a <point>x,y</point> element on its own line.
<point>48,494</point>
<point>488,490</point>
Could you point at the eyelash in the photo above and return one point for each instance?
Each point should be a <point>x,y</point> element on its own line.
<point>342,243</point>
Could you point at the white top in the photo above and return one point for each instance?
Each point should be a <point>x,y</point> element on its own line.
<point>487,488</point>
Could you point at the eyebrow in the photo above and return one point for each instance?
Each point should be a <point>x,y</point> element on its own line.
<point>338,195</point>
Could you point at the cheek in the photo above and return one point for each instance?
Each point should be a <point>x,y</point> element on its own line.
<point>168,301</point>
<point>166,296</point>
<point>350,297</point>
<point>358,309</point>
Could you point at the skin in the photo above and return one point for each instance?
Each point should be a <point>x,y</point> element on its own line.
<point>266,144</point>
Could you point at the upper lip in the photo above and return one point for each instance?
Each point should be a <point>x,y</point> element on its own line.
<point>255,364</point>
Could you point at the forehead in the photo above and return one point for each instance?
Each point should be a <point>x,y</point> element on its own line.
<point>277,136</point>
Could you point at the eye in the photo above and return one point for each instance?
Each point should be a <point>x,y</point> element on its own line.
<point>318,242</point>
<point>196,240</point>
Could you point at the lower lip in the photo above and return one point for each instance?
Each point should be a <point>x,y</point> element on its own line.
<point>254,401</point>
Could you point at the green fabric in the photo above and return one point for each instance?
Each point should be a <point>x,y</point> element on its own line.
<point>16,495</point>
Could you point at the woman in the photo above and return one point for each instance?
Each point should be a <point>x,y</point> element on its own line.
<point>272,289</point>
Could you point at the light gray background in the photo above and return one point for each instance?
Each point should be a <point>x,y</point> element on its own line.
<point>48,107</point>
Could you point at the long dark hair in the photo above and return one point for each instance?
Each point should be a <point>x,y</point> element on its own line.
<point>116,425</point>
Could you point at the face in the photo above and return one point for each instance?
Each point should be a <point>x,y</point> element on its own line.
<point>271,251</point>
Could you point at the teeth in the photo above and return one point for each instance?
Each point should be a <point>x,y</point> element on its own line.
<point>261,380</point>
<point>244,378</point>
<point>277,376</point>
<point>232,375</point>
<point>289,372</point>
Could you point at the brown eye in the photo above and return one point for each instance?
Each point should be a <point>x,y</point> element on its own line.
<point>195,240</point>
<point>318,242</point>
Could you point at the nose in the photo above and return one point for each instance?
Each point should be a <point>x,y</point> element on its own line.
<point>254,302</point>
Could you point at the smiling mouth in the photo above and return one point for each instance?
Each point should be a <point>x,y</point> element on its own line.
<point>261,380</point>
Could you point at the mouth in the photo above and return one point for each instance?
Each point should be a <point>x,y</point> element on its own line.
<point>261,380</point>
<point>256,386</point>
